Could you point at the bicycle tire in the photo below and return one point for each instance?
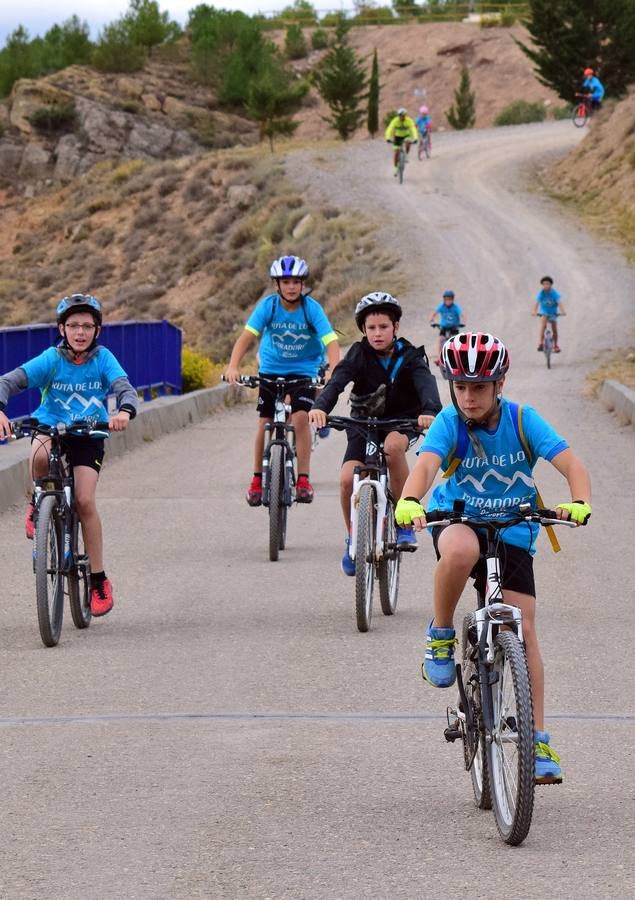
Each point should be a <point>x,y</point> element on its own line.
<point>428,147</point>
<point>580,115</point>
<point>276,500</point>
<point>402,165</point>
<point>287,490</point>
<point>474,743</point>
<point>388,566</point>
<point>511,750</point>
<point>365,557</point>
<point>548,347</point>
<point>49,575</point>
<point>78,581</point>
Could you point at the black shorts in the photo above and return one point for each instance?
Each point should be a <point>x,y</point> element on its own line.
<point>302,396</point>
<point>356,447</point>
<point>81,451</point>
<point>517,565</point>
<point>398,141</point>
<point>448,330</point>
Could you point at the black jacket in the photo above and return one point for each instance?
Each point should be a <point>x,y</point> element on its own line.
<point>413,392</point>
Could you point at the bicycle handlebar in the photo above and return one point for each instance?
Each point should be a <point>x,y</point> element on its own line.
<point>438,325</point>
<point>79,428</point>
<point>253,381</point>
<point>363,425</point>
<point>525,514</point>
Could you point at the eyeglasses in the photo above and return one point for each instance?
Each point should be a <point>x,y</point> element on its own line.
<point>87,328</point>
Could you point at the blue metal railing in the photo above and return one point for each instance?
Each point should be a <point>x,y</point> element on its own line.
<point>150,353</point>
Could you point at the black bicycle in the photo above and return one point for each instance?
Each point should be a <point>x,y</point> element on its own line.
<point>60,562</point>
<point>279,474</point>
<point>373,529</point>
<point>494,713</point>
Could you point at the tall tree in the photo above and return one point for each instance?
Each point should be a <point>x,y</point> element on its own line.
<point>462,113</point>
<point>342,83</point>
<point>569,35</point>
<point>373,98</point>
<point>148,26</point>
<point>273,99</point>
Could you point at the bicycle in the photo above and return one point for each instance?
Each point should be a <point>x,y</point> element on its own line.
<point>402,159</point>
<point>446,331</point>
<point>279,474</point>
<point>373,529</point>
<point>424,145</point>
<point>494,713</point>
<point>582,110</point>
<point>547,339</point>
<point>60,563</point>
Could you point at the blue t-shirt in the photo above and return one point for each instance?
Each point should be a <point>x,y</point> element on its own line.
<point>500,483</point>
<point>594,85</point>
<point>290,341</point>
<point>450,316</point>
<point>548,302</point>
<point>69,391</point>
<point>423,123</point>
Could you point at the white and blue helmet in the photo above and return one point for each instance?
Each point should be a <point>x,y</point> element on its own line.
<point>377,302</point>
<point>78,303</point>
<point>289,267</point>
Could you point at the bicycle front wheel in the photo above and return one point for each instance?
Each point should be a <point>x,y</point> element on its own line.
<point>474,744</point>
<point>580,115</point>
<point>49,570</point>
<point>78,581</point>
<point>365,557</point>
<point>276,500</point>
<point>388,566</point>
<point>402,165</point>
<point>548,347</point>
<point>511,749</point>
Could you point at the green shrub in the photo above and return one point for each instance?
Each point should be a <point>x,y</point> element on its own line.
<point>390,115</point>
<point>196,370</point>
<point>295,42</point>
<point>319,39</point>
<point>508,17</point>
<point>116,52</point>
<point>54,118</point>
<point>490,20</point>
<point>562,112</point>
<point>520,112</point>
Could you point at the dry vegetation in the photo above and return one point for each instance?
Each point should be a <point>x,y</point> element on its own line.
<point>190,240</point>
<point>598,177</point>
<point>617,365</point>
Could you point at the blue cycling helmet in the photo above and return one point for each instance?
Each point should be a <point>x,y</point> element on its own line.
<point>448,294</point>
<point>289,267</point>
<point>79,303</point>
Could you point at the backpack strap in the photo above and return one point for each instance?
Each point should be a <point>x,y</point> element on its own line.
<point>274,307</point>
<point>517,419</point>
<point>457,455</point>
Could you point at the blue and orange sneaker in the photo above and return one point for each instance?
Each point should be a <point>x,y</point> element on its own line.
<point>348,564</point>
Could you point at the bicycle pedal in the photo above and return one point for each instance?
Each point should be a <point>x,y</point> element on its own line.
<point>406,548</point>
<point>452,734</point>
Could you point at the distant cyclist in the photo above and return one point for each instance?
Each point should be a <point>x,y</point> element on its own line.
<point>424,123</point>
<point>594,87</point>
<point>401,129</point>
<point>548,306</point>
<point>450,317</point>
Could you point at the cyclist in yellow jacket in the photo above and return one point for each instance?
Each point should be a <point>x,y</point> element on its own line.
<point>401,128</point>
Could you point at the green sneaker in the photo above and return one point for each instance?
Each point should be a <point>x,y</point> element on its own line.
<point>547,760</point>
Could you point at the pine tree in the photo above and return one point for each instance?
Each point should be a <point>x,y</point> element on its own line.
<point>341,82</point>
<point>569,35</point>
<point>461,114</point>
<point>273,99</point>
<point>373,98</point>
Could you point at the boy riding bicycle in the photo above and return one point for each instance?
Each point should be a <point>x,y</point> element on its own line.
<point>400,129</point>
<point>450,317</point>
<point>424,123</point>
<point>548,306</point>
<point>294,333</point>
<point>494,474</point>
<point>594,88</point>
<point>391,379</point>
<point>75,377</point>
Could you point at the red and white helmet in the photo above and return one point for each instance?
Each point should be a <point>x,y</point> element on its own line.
<point>474,356</point>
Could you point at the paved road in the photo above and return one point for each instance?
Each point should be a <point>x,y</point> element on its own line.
<point>227,733</point>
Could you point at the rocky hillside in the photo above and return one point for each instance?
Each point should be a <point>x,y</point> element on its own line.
<point>598,177</point>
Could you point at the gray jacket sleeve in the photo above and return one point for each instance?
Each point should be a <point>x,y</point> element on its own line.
<point>12,383</point>
<point>127,398</point>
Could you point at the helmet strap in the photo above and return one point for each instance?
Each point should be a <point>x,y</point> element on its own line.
<point>472,424</point>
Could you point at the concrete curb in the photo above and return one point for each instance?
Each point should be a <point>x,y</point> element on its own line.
<point>158,417</point>
<point>619,399</point>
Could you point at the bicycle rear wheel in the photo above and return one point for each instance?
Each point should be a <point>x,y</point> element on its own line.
<point>365,557</point>
<point>511,750</point>
<point>49,574</point>
<point>474,744</point>
<point>276,501</point>
<point>78,581</point>
<point>388,566</point>
<point>580,115</point>
<point>428,146</point>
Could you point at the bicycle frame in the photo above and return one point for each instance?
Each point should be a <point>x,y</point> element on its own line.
<point>375,460</point>
<point>280,432</point>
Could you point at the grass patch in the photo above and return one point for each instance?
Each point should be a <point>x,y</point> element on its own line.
<point>521,112</point>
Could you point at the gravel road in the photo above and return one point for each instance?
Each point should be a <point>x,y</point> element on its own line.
<point>226,732</point>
